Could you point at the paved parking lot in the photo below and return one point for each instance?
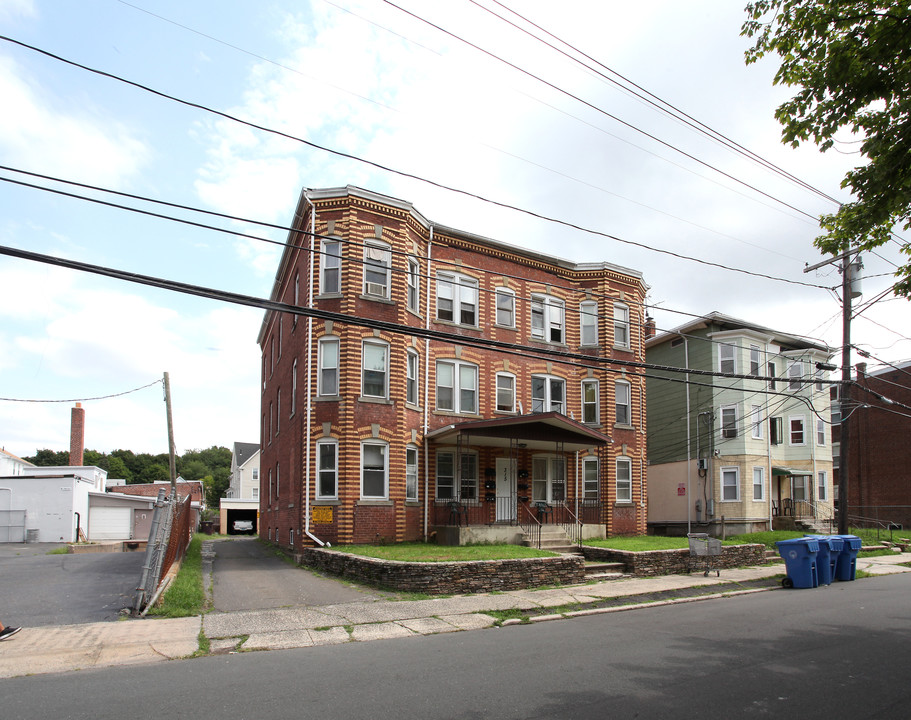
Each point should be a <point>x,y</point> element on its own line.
<point>38,589</point>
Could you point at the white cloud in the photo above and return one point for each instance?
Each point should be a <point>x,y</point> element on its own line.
<point>15,9</point>
<point>39,135</point>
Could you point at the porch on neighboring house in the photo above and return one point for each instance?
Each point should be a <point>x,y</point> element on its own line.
<point>795,498</point>
<point>507,478</point>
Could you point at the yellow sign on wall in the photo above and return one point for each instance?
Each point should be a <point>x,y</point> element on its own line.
<point>322,514</point>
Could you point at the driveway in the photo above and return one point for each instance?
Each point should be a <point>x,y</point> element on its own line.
<point>40,589</point>
<point>249,575</point>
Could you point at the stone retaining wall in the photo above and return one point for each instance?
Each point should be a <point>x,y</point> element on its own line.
<point>448,578</point>
<point>673,562</point>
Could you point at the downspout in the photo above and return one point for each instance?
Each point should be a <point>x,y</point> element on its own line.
<point>426,395</point>
<point>768,444</point>
<point>310,375</point>
<point>578,469</point>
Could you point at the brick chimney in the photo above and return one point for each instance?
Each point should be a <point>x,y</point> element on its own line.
<point>650,328</point>
<point>77,435</point>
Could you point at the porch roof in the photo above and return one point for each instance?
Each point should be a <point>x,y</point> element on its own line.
<point>538,431</point>
<point>788,472</point>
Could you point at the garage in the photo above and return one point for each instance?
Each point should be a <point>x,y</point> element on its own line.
<point>239,517</point>
<point>110,523</point>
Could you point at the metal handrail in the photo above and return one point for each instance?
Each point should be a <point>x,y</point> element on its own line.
<point>533,529</point>
<point>573,530</point>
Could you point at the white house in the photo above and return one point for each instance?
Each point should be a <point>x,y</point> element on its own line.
<point>11,464</point>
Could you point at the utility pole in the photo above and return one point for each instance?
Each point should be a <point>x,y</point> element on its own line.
<point>847,294</point>
<point>172,461</point>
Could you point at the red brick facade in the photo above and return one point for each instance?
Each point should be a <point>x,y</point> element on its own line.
<point>345,407</point>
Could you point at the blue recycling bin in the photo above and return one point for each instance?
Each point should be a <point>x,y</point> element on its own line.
<point>830,547</point>
<point>846,564</point>
<point>799,557</point>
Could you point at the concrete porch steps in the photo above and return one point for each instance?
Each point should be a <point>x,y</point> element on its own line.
<point>604,571</point>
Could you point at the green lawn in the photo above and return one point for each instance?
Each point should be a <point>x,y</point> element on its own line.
<point>422,552</point>
<point>185,595</point>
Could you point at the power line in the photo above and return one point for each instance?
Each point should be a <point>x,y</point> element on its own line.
<point>88,399</point>
<point>401,173</point>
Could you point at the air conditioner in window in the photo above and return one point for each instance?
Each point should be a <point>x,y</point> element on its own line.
<point>376,289</point>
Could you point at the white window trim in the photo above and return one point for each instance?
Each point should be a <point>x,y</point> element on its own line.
<point>623,459</point>
<point>457,366</point>
<point>321,367</point>
<point>803,422</point>
<point>496,389</point>
<point>324,266</point>
<point>505,292</point>
<point>457,474</point>
<point>459,283</point>
<point>820,432</point>
<point>592,460</point>
<point>383,444</point>
<point>795,386</point>
<point>628,404</point>
<point>413,289</point>
<point>376,247</point>
<point>319,494</point>
<point>551,462</point>
<point>761,484</point>
<point>412,357</point>
<point>293,388</point>
<point>722,349</point>
<point>724,429</point>
<point>417,459</point>
<point>597,384</point>
<point>588,318</point>
<point>553,317</point>
<point>624,322</point>
<point>727,470</point>
<point>757,421</point>
<point>757,351</point>
<point>548,395</point>
<point>822,486</point>
<point>385,346</point>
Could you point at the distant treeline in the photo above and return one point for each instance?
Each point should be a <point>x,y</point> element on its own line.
<point>212,466</point>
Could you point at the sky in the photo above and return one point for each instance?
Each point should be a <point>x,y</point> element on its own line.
<point>444,92</point>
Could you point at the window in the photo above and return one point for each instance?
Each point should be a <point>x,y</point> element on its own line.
<point>726,362</point>
<point>293,387</point>
<point>457,299</point>
<point>758,484</point>
<point>772,375</point>
<point>414,277</point>
<point>446,476</point>
<point>590,412</point>
<point>795,373</point>
<point>291,537</point>
<point>255,493</point>
<point>328,367</point>
<point>327,470</point>
<point>624,480</point>
<point>374,366</point>
<point>271,421</point>
<point>506,393</point>
<point>796,429</point>
<point>776,432</point>
<point>297,295</point>
<point>547,394</point>
<point>729,422</point>
<point>547,318</point>
<point>271,356</point>
<point>277,481</point>
<point>836,413</point>
<point>588,322</point>
<point>548,479</point>
<point>457,386</point>
<point>377,264</point>
<point>590,484</point>
<point>799,487</point>
<point>756,413</point>
<point>730,484</point>
<point>506,307</point>
<point>411,473</point>
<point>278,411</point>
<point>270,486</point>
<point>822,488</point>
<point>281,333</point>
<point>754,360</point>
<point>622,403</point>
<point>411,378</point>
<point>374,469</point>
<point>836,455</point>
<point>256,473</point>
<point>820,431</point>
<point>621,326</point>
<point>330,281</point>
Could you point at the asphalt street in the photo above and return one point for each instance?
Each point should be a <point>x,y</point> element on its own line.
<point>37,589</point>
<point>832,652</point>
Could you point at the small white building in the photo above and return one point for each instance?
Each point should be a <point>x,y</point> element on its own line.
<point>48,504</point>
<point>11,464</point>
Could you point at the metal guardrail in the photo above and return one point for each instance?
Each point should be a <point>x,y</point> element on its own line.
<point>531,526</point>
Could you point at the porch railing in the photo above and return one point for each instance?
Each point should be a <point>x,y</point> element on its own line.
<point>530,525</point>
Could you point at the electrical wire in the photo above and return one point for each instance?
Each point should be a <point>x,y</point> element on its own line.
<point>87,399</point>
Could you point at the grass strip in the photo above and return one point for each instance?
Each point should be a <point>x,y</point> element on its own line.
<point>185,596</point>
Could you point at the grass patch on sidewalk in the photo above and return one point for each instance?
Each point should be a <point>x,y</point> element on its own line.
<point>185,595</point>
<point>423,552</point>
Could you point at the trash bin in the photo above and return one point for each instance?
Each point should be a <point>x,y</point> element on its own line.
<point>846,564</point>
<point>830,547</point>
<point>799,557</point>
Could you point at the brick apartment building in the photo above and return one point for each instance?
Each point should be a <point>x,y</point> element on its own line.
<point>879,451</point>
<point>443,384</point>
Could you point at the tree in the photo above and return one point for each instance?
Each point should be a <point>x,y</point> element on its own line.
<point>49,458</point>
<point>851,60</point>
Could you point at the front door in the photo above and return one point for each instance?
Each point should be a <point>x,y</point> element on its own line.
<point>506,483</point>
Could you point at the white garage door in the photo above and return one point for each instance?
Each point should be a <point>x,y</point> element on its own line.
<point>106,523</point>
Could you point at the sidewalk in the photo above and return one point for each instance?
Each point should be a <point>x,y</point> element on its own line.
<point>131,642</point>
